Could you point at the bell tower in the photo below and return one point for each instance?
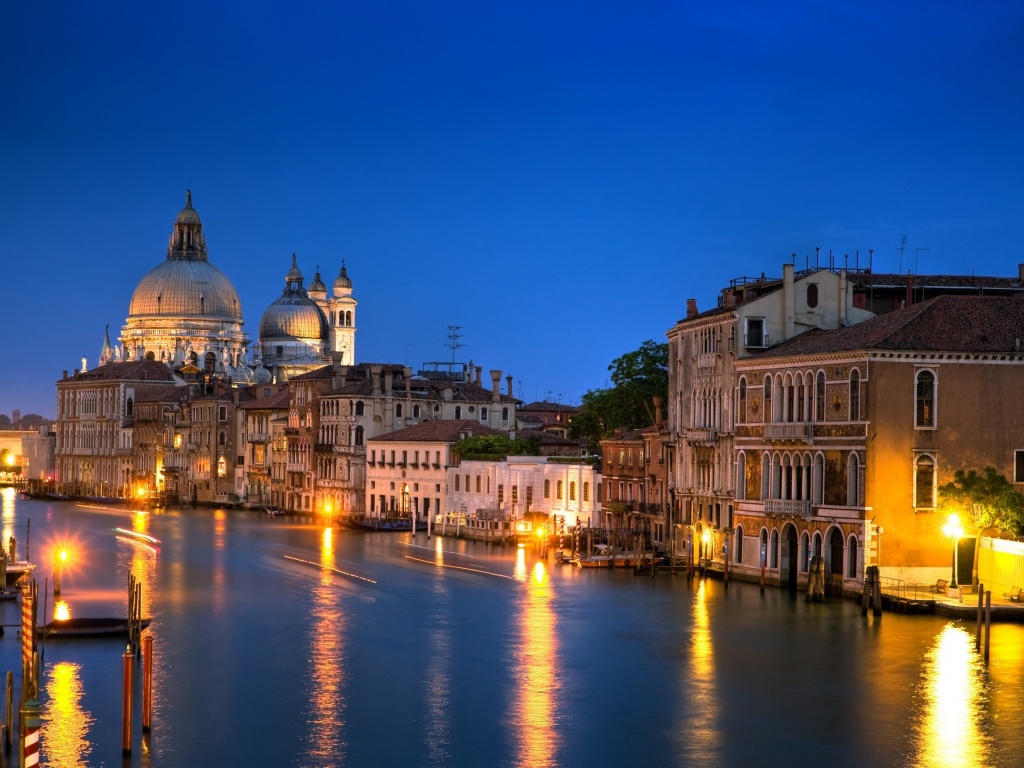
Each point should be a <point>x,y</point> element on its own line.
<point>341,312</point>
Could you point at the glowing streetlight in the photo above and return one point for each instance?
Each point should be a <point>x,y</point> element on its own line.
<point>954,531</point>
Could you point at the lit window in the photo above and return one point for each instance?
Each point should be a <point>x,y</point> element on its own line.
<point>924,482</point>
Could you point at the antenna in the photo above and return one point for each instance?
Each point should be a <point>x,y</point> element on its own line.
<point>453,339</point>
<point>901,249</point>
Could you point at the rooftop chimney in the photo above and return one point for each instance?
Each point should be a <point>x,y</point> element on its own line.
<point>508,384</point>
<point>691,307</point>
<point>495,384</point>
<point>657,411</point>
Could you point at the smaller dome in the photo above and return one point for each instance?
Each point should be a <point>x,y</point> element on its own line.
<point>317,285</point>
<point>188,214</point>
<point>342,282</point>
<point>263,376</point>
<point>294,274</point>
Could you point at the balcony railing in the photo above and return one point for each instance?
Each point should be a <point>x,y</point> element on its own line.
<point>258,437</point>
<point>787,507</point>
<point>706,360</point>
<point>789,430</point>
<point>701,435</point>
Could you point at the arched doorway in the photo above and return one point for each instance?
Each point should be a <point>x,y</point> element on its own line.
<point>790,558</point>
<point>835,545</point>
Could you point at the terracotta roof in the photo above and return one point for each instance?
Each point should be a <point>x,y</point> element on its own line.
<point>972,324</point>
<point>967,282</point>
<point>273,402</point>
<point>171,394</point>
<point>326,372</point>
<point>545,405</point>
<point>439,431</point>
<point>133,370</point>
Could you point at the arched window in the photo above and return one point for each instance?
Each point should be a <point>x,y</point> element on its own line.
<point>812,295</point>
<point>209,362</point>
<point>817,545</point>
<point>572,490</point>
<point>348,318</point>
<point>851,557</point>
<point>586,491</point>
<point>222,467</point>
<point>924,482</point>
<point>467,484</point>
<point>415,411</point>
<point>775,550</point>
<point>741,476</point>
<point>478,485</point>
<point>743,400</point>
<point>359,436</point>
<point>222,439</point>
<point>764,547</point>
<point>558,492</point>
<point>483,414</point>
<point>737,555</point>
<point>150,356</point>
<point>819,397</point>
<point>924,413</point>
<point>766,475</point>
<point>835,545</point>
<point>458,411</point>
<point>129,407</point>
<point>854,395</point>
<point>768,383</point>
<point>359,407</point>
<point>456,482</point>
<point>853,480</point>
<point>805,553</point>
<point>547,489</point>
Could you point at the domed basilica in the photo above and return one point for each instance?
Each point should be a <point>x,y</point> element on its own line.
<point>185,312</point>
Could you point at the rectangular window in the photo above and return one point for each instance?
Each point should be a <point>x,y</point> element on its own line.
<point>515,494</point>
<point>1018,466</point>
<point>529,495</point>
<point>755,333</point>
<point>501,493</point>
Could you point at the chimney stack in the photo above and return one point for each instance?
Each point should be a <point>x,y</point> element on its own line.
<point>691,307</point>
<point>657,411</point>
<point>508,383</point>
<point>495,384</point>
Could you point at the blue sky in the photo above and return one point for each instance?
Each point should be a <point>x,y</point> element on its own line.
<point>556,178</point>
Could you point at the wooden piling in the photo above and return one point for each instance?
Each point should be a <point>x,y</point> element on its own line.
<point>9,711</point>
<point>31,719</point>
<point>126,709</point>
<point>977,623</point>
<point>988,622</point>
<point>147,684</point>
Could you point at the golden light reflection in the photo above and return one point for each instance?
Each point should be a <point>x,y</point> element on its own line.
<point>7,496</point>
<point>326,678</point>
<point>65,728</point>
<point>537,684</point>
<point>61,611</point>
<point>701,716</point>
<point>951,732</point>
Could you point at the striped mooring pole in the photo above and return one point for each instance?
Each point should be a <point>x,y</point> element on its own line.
<point>30,722</point>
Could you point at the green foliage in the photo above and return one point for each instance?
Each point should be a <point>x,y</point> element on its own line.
<point>639,376</point>
<point>989,500</point>
<point>496,446</point>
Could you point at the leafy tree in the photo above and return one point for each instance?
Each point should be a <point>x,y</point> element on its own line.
<point>496,446</point>
<point>989,499</point>
<point>5,421</point>
<point>639,376</point>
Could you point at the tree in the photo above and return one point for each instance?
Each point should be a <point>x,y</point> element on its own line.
<point>496,446</point>
<point>639,376</point>
<point>990,500</point>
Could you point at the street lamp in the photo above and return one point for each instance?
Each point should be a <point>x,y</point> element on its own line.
<point>954,531</point>
<point>62,556</point>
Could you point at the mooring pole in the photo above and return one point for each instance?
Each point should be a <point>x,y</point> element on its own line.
<point>30,722</point>
<point>977,623</point>
<point>126,710</point>
<point>147,683</point>
<point>9,711</point>
<point>988,622</point>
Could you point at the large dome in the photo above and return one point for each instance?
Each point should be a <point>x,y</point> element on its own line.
<point>186,285</point>
<point>184,288</point>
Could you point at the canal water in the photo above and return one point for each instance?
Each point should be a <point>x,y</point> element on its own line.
<point>284,642</point>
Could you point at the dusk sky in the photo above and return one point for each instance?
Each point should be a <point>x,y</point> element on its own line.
<point>556,178</point>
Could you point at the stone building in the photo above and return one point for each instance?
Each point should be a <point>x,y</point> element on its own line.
<point>843,438</point>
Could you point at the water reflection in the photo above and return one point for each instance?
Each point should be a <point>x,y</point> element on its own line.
<point>536,683</point>
<point>65,728</point>
<point>952,731</point>
<point>326,677</point>
<point>698,741</point>
<point>438,675</point>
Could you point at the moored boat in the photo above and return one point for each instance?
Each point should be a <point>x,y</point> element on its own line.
<point>17,572</point>
<point>624,560</point>
<point>382,524</point>
<point>87,627</point>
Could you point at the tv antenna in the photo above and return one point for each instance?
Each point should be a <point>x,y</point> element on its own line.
<point>917,252</point>
<point>901,249</point>
<point>453,339</point>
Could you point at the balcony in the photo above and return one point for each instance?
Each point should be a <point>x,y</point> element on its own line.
<point>789,432</point>
<point>702,436</point>
<point>258,437</point>
<point>296,466</point>
<point>792,507</point>
<point>707,359</point>
<point>323,448</point>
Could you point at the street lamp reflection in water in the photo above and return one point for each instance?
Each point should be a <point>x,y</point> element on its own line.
<point>61,611</point>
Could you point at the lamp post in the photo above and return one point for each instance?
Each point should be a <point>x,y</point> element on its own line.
<point>62,556</point>
<point>954,531</point>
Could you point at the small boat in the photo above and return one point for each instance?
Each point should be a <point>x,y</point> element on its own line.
<point>87,627</point>
<point>381,524</point>
<point>145,538</point>
<point>274,511</point>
